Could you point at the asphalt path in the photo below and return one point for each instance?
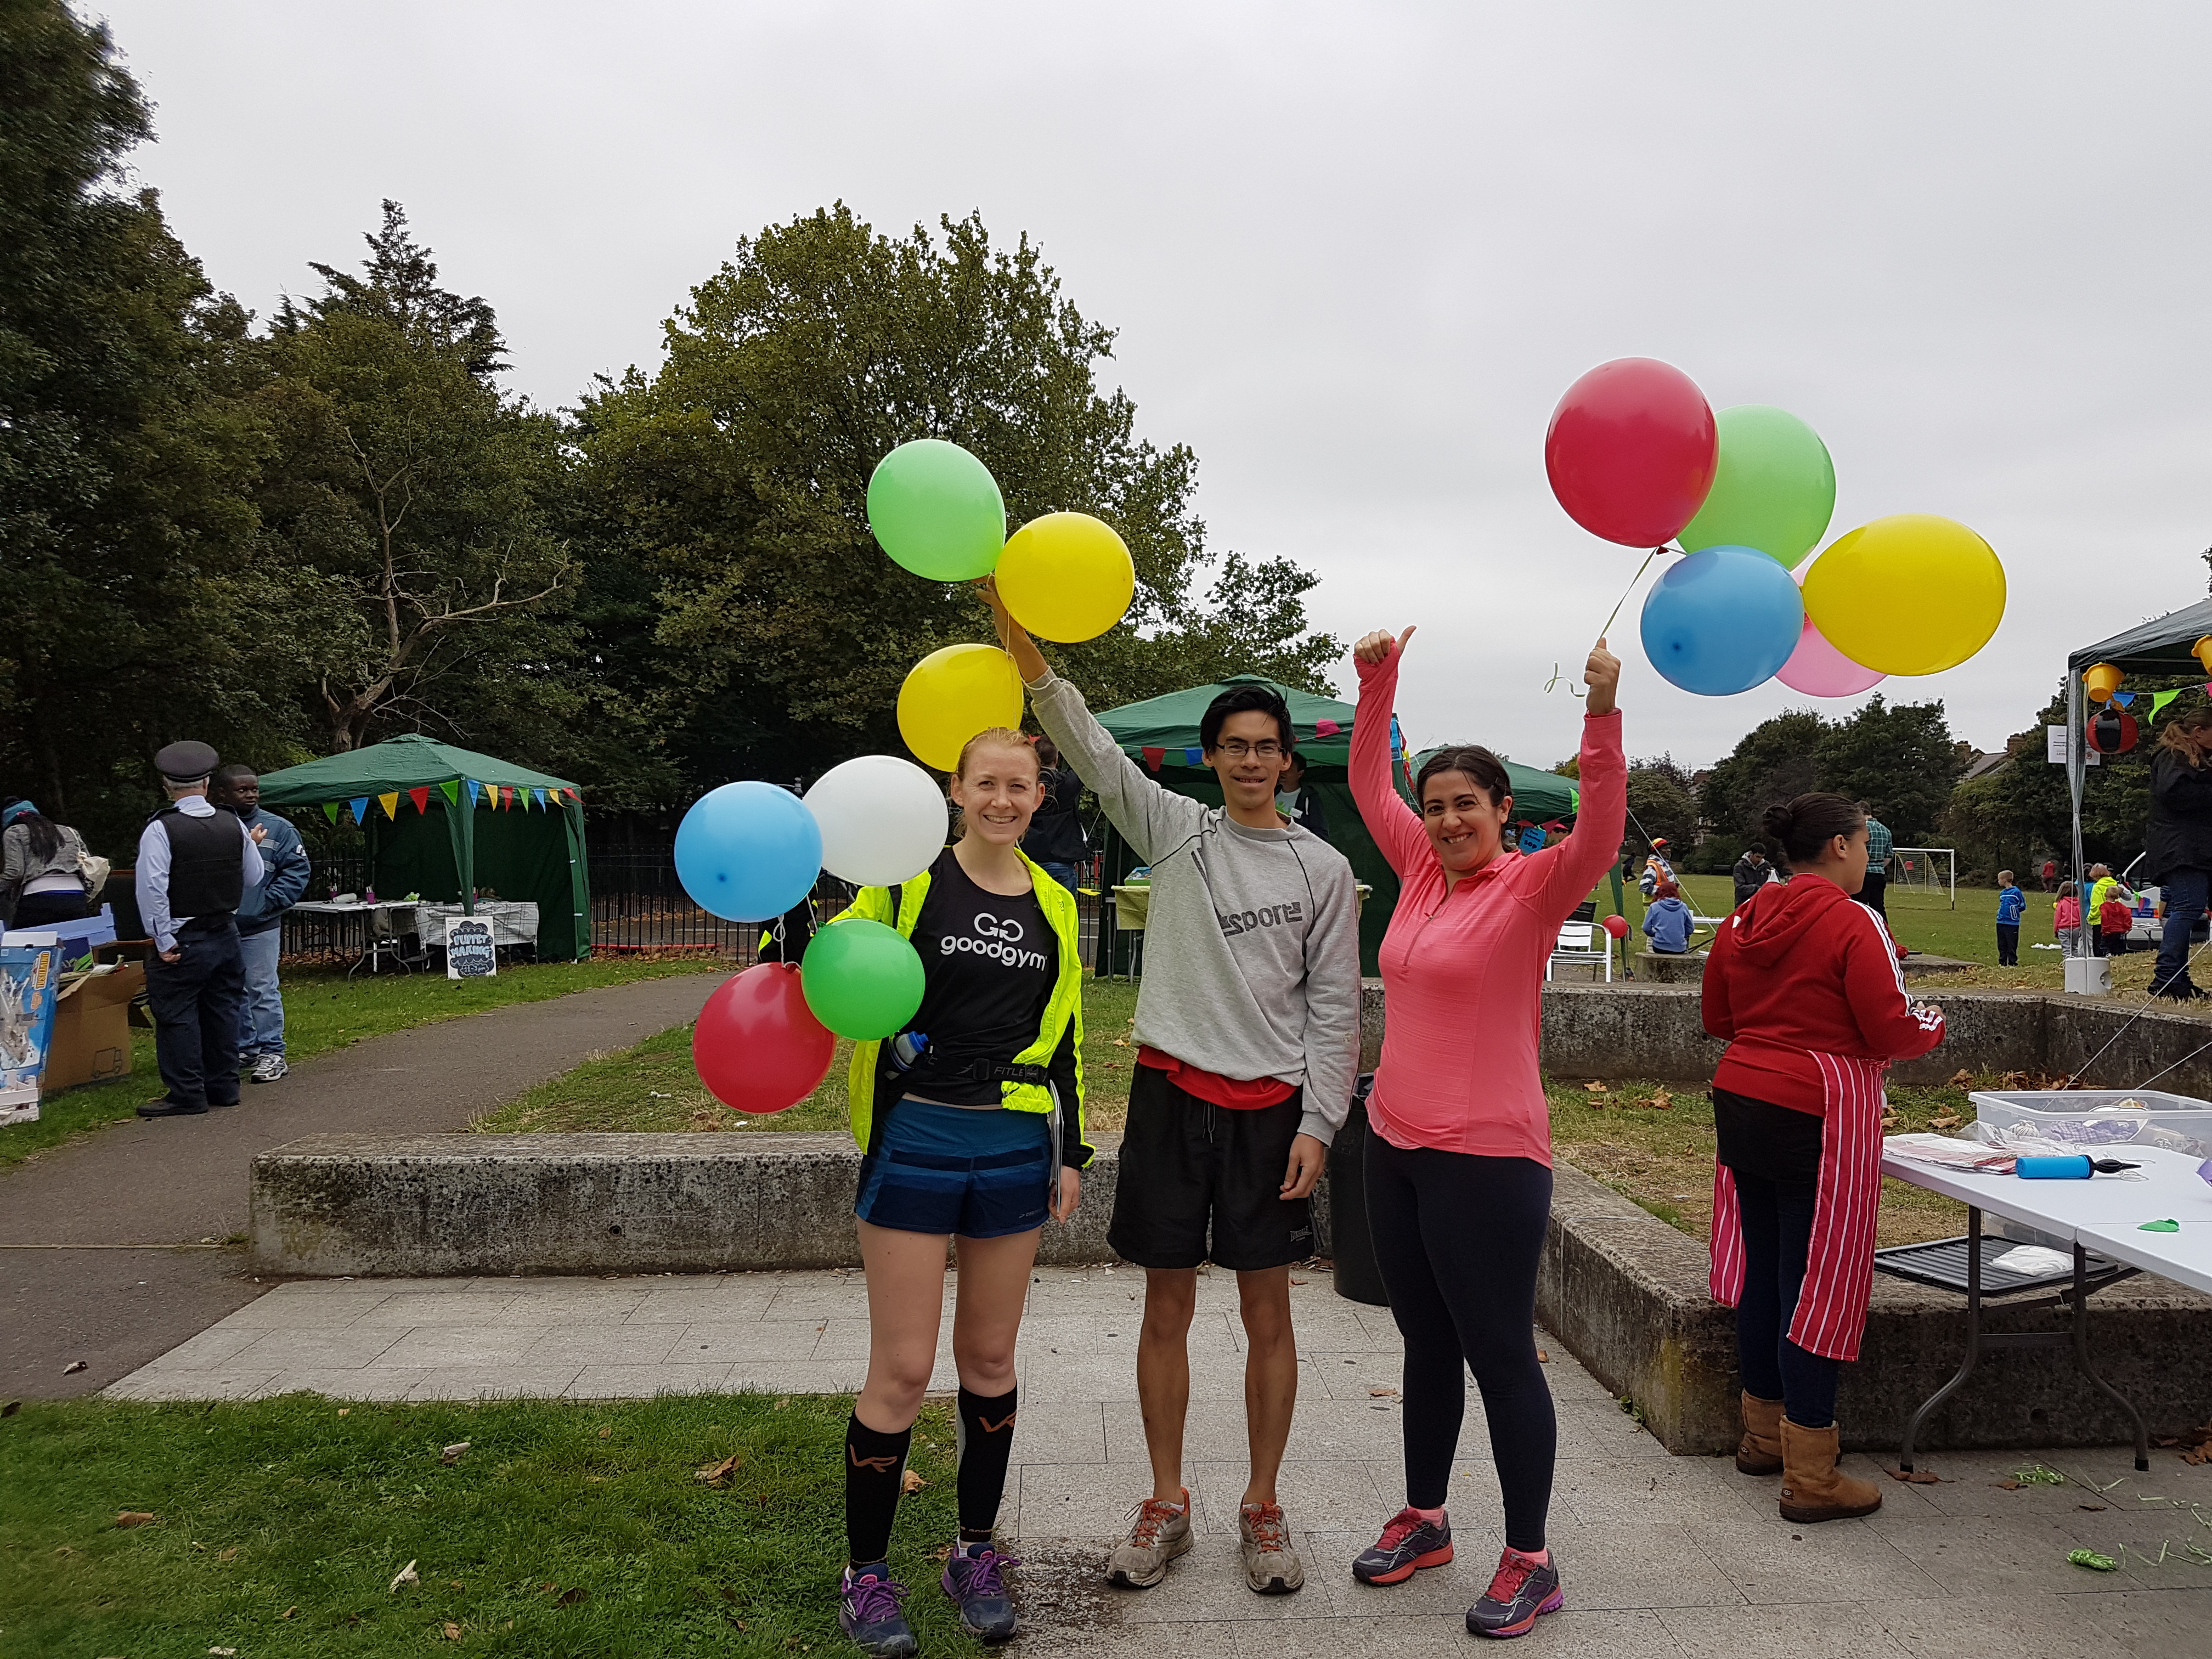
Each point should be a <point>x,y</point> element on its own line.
<point>112,1246</point>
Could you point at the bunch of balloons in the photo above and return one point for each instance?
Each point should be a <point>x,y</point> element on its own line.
<point>1636,455</point>
<point>1065,576</point>
<point>749,852</point>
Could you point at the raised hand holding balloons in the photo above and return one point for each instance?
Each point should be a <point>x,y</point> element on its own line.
<point>883,819</point>
<point>1067,576</point>
<point>951,694</point>
<point>1632,451</point>
<point>756,1046</point>
<point>748,851</point>
<point>936,509</point>
<point>1774,488</point>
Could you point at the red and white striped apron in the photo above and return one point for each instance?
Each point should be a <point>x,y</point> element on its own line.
<point>1832,1304</point>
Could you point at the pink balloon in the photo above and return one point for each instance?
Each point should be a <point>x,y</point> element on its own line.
<point>1819,670</point>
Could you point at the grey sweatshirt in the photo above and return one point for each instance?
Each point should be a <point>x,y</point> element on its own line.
<point>1252,946</point>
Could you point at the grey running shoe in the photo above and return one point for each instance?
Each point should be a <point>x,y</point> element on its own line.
<point>267,1068</point>
<point>1271,1567</point>
<point>1407,1545</point>
<point>978,1584</point>
<point>1162,1533</point>
<point>868,1612</point>
<point>1519,1591</point>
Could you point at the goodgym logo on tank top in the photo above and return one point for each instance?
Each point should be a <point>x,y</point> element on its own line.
<point>997,937</point>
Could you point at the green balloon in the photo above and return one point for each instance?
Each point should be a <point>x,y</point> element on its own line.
<point>936,509</point>
<point>861,979</point>
<point>1775,488</point>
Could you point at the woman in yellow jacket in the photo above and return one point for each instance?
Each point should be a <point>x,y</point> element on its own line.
<point>972,1124</point>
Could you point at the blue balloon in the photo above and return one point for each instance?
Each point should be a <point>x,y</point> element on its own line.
<point>749,851</point>
<point>1723,621</point>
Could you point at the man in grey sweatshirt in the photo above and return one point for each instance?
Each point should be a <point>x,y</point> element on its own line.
<point>1248,1033</point>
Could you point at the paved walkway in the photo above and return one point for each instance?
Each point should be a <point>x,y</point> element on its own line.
<point>1662,1556</point>
<point>180,1181</point>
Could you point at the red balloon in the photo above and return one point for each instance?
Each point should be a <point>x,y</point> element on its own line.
<point>1632,451</point>
<point>1617,925</point>
<point>757,1046</point>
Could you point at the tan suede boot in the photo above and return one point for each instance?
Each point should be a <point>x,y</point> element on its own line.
<point>1812,1487</point>
<point>1760,1452</point>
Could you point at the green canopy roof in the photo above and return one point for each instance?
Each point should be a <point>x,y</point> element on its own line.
<point>1169,724</point>
<point>408,762</point>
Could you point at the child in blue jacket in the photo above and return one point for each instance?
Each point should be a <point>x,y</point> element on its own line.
<point>2011,905</point>
<point>1668,924</point>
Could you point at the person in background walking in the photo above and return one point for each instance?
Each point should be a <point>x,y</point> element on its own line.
<point>2178,844</point>
<point>261,907</point>
<point>41,868</point>
<point>2051,875</point>
<point>1803,986</point>
<point>2066,921</point>
<point>1657,868</point>
<point>2115,917</point>
<point>1296,800</point>
<point>1055,838</point>
<point>1668,923</point>
<point>195,863</point>
<point>1459,1167</point>
<point>2011,905</point>
<point>1878,845</point>
<point>1753,872</point>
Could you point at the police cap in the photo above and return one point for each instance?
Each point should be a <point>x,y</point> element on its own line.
<point>186,761</point>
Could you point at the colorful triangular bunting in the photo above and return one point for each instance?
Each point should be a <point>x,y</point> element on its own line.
<point>1154,756</point>
<point>360,804</point>
<point>390,801</point>
<point>1326,728</point>
<point>331,811</point>
<point>1193,756</point>
<point>475,790</point>
<point>451,789</point>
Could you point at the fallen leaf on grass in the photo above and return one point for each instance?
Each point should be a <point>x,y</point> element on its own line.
<point>451,1454</point>
<point>1596,1088</point>
<point>573,1596</point>
<point>603,1433</point>
<point>222,1652</point>
<point>345,1411</point>
<point>781,1401</point>
<point>452,1632</point>
<point>1962,1078</point>
<point>715,1474</point>
<point>912,1483</point>
<point>1661,1099</point>
<point>133,1517</point>
<point>288,1611</point>
<point>64,1549</point>
<point>230,1554</point>
<point>1946,1120</point>
<point>405,1576</point>
<point>1918,1477</point>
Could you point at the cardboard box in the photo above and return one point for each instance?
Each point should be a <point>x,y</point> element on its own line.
<point>91,1041</point>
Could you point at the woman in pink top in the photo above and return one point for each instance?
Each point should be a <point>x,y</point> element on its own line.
<point>1459,1169</point>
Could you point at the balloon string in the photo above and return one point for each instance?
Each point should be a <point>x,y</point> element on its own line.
<point>1606,632</point>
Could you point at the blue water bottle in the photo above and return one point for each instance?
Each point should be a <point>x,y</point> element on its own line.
<point>906,1048</point>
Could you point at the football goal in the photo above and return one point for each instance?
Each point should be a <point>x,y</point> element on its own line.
<point>1929,873</point>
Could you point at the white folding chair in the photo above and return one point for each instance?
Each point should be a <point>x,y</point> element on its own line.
<point>1577,942</point>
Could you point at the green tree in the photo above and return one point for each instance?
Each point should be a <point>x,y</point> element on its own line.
<point>1661,803</point>
<point>410,501</point>
<point>1900,759</point>
<point>1773,762</point>
<point>127,449</point>
<point>731,486</point>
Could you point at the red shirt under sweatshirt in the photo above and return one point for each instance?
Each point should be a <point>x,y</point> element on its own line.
<point>1803,969</point>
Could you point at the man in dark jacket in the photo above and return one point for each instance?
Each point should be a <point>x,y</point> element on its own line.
<point>260,918</point>
<point>1753,872</point>
<point>1055,838</point>
<point>2178,845</point>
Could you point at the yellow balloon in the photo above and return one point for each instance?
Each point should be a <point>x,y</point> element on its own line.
<point>1065,576</point>
<point>951,694</point>
<point>1912,593</point>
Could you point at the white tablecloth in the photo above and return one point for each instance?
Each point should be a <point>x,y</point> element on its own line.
<point>513,921</point>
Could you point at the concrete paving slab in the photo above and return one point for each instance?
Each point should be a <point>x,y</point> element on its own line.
<point>468,1345</point>
<point>515,1382</point>
<point>2030,1626</point>
<point>1833,1561</point>
<point>287,1307</point>
<point>643,1382</point>
<point>392,1382</point>
<point>1831,1631</point>
<point>765,1340</point>
<point>217,1382</point>
<point>1316,1496</point>
<point>717,1301</point>
<point>587,1344</point>
<point>343,1347</point>
<point>2152,1624</point>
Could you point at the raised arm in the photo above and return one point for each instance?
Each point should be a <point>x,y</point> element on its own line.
<point>1396,826</point>
<point>1589,849</point>
<point>1154,820</point>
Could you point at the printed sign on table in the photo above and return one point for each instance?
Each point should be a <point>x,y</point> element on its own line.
<point>469,950</point>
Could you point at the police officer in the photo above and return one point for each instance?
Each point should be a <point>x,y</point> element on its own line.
<point>194,864</point>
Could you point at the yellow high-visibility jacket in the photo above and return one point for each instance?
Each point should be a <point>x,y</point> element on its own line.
<point>1064,1005</point>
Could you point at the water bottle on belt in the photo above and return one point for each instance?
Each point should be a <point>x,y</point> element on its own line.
<point>906,1048</point>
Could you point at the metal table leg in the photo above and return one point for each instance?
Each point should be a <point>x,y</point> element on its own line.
<point>2082,1356</point>
<point>1974,1340</point>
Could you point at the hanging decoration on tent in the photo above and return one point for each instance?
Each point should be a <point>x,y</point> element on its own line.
<point>2122,698</point>
<point>451,789</point>
<point>420,794</point>
<point>2100,681</point>
<point>331,811</point>
<point>2111,731</point>
<point>2158,701</point>
<point>360,804</point>
<point>389,800</point>
<point>476,792</point>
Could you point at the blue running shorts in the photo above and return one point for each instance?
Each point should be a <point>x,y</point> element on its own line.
<point>947,1169</point>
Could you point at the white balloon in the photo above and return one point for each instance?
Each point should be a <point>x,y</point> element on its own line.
<point>883,820</point>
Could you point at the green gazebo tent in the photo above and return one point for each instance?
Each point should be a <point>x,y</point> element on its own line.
<point>446,822</point>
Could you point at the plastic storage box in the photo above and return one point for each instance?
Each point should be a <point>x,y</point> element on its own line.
<point>2101,1118</point>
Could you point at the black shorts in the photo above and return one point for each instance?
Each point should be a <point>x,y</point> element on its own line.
<point>1200,1183</point>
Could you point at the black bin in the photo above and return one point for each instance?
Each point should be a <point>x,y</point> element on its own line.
<point>1353,1245</point>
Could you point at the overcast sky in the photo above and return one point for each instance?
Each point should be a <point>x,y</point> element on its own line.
<point>1355,253</point>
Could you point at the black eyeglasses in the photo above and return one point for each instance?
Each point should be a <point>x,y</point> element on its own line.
<point>1237,749</point>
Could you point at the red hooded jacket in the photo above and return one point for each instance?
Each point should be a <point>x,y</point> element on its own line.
<point>1803,969</point>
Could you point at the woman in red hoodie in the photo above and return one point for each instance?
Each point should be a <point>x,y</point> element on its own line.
<point>1803,984</point>
<point>1459,1167</point>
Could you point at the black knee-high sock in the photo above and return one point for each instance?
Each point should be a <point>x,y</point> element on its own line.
<point>875,1466</point>
<point>987,1439</point>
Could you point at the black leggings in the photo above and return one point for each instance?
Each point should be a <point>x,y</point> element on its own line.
<point>1777,1234</point>
<point>1458,1238</point>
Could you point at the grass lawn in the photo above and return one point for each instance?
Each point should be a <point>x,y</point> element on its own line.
<point>324,1010</point>
<point>653,1086</point>
<point>564,1529</point>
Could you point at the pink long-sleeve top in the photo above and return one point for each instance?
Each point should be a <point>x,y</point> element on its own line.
<point>1463,971</point>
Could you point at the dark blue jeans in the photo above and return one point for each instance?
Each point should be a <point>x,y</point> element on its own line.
<point>2184,892</point>
<point>1062,873</point>
<point>196,1001</point>
<point>1777,1233</point>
